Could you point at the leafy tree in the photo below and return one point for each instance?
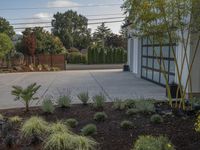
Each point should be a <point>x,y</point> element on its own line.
<point>174,20</point>
<point>29,42</point>
<point>26,95</point>
<point>6,28</point>
<point>6,45</point>
<point>115,40</point>
<point>72,29</point>
<point>101,33</point>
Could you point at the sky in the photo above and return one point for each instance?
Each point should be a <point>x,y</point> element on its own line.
<point>45,15</point>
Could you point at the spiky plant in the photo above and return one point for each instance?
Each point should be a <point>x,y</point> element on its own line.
<point>1,117</point>
<point>99,101</point>
<point>25,95</point>
<point>47,106</point>
<point>15,119</point>
<point>58,127</point>
<point>83,97</point>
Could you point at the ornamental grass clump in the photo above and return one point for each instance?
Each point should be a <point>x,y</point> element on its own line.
<point>99,101</point>
<point>64,101</point>
<point>47,106</point>
<point>118,104</point>
<point>145,106</point>
<point>1,117</point>
<point>15,119</point>
<point>126,124</point>
<point>66,141</point>
<point>34,127</point>
<point>83,97</point>
<point>89,129</point>
<point>72,123</point>
<point>100,116</point>
<point>156,119</point>
<point>153,143</point>
<point>197,124</point>
<point>58,127</point>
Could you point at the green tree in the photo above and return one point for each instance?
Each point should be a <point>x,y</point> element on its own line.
<point>101,33</point>
<point>174,20</point>
<point>115,40</point>
<point>6,28</point>
<point>72,29</point>
<point>6,45</point>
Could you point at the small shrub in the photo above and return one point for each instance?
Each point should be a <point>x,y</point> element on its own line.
<point>15,119</point>
<point>153,143</point>
<point>25,95</point>
<point>100,116</point>
<point>89,129</point>
<point>118,104</point>
<point>64,101</point>
<point>126,124</point>
<point>129,103</point>
<point>35,126</point>
<point>66,141</point>
<point>83,97</point>
<point>1,117</point>
<point>156,119</point>
<point>99,101</point>
<point>132,111</point>
<point>58,127</point>
<point>47,106</point>
<point>145,106</point>
<point>71,122</point>
<point>197,124</point>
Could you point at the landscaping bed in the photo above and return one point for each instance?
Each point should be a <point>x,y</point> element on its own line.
<point>110,136</point>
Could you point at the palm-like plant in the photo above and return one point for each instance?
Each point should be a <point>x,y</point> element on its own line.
<point>25,95</point>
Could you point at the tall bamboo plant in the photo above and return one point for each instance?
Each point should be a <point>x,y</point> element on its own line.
<point>178,20</point>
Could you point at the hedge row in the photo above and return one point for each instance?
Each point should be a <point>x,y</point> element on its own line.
<point>106,56</point>
<point>76,58</point>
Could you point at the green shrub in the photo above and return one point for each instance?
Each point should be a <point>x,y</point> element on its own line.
<point>71,122</point>
<point>153,143</point>
<point>99,101</point>
<point>89,129</point>
<point>129,103</point>
<point>25,95</point>
<point>64,101</point>
<point>35,126</point>
<point>131,111</point>
<point>126,124</point>
<point>58,127</point>
<point>1,117</point>
<point>83,97</point>
<point>197,124</point>
<point>118,104</point>
<point>15,119</point>
<point>100,116</point>
<point>47,106</point>
<point>145,106</point>
<point>156,118</point>
<point>66,141</point>
<point>76,58</point>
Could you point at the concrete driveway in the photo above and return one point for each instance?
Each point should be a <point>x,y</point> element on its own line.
<point>113,83</point>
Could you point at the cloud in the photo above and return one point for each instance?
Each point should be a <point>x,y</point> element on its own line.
<point>43,16</point>
<point>62,3</point>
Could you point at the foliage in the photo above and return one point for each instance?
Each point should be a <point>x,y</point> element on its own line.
<point>64,101</point>
<point>34,127</point>
<point>66,141</point>
<point>72,29</point>
<point>47,106</point>
<point>9,141</point>
<point>1,117</point>
<point>129,103</point>
<point>197,124</point>
<point>153,143</point>
<point>99,55</point>
<point>71,122</point>
<point>89,129</point>
<point>29,42</point>
<point>76,58</point>
<point>99,101</point>
<point>156,118</point>
<point>118,104</point>
<point>6,44</point>
<point>131,111</point>
<point>115,41</point>
<point>25,95</point>
<point>15,119</point>
<point>6,28</point>
<point>145,106</point>
<point>58,127</point>
<point>100,116</point>
<point>83,97</point>
<point>126,124</point>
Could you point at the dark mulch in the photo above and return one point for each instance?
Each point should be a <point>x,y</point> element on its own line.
<point>180,130</point>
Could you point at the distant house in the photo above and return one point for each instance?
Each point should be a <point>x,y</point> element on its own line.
<point>143,62</point>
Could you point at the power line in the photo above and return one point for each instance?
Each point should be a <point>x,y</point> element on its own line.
<point>116,14</point>
<point>22,23</point>
<point>79,6</point>
<point>17,28</point>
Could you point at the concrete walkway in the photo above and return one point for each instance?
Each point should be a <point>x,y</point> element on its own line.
<point>113,83</point>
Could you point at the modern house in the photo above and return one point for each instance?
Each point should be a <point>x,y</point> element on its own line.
<point>144,63</point>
